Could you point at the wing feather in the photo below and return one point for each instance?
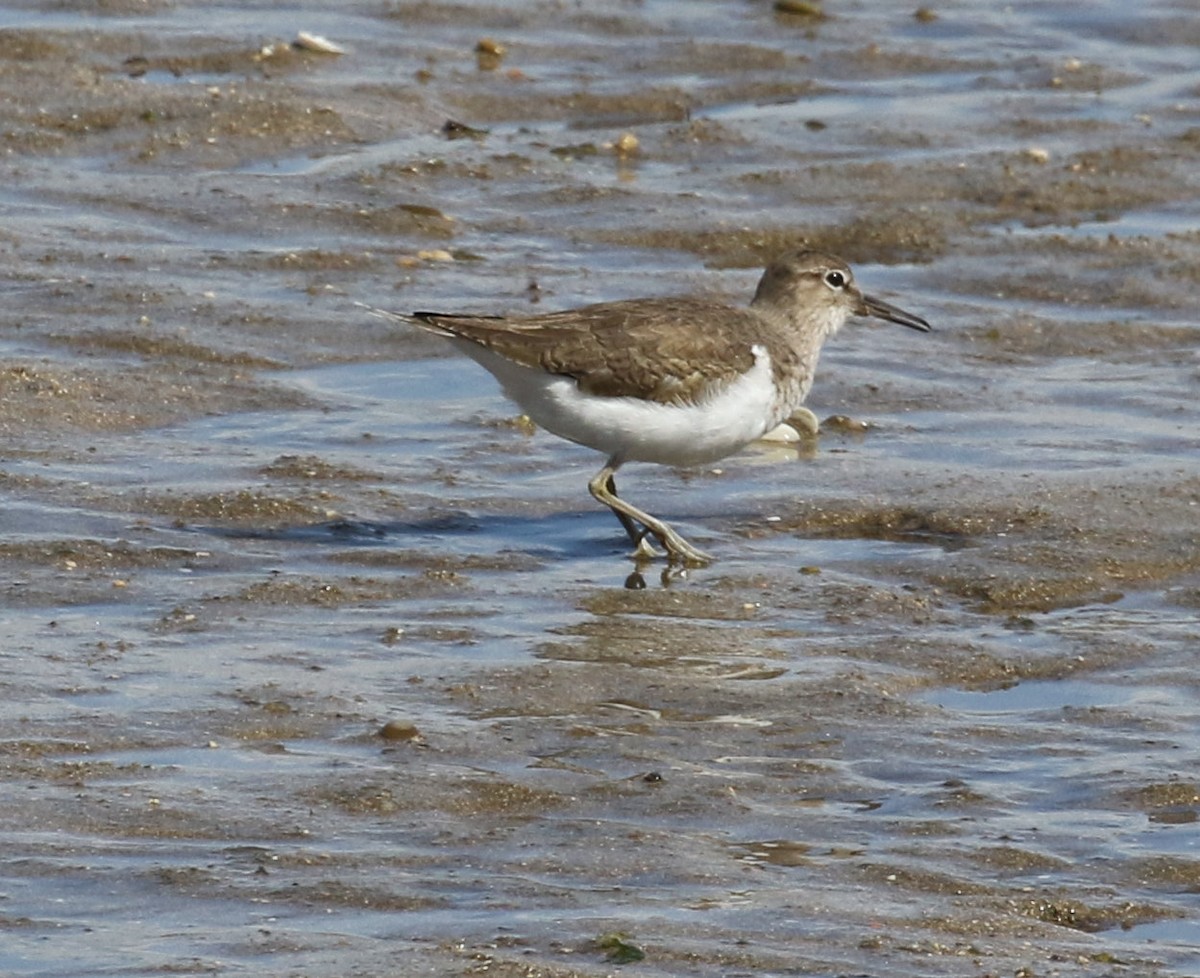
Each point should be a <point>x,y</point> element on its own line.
<point>633,348</point>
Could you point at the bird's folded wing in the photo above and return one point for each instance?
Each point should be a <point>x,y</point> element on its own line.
<point>646,348</point>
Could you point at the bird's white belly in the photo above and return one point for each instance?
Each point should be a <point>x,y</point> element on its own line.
<point>631,429</point>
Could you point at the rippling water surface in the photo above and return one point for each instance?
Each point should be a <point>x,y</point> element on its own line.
<point>319,661</point>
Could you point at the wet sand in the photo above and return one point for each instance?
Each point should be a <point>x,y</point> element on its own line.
<point>319,661</point>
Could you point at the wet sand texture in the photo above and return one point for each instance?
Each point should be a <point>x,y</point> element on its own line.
<point>319,661</point>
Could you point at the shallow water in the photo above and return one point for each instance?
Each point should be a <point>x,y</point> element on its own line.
<point>932,711</point>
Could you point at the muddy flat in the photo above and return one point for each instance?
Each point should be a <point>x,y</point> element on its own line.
<point>320,660</point>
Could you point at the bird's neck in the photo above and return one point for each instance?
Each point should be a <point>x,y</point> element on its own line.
<point>797,365</point>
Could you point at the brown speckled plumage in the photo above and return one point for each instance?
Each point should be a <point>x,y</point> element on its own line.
<point>645,348</point>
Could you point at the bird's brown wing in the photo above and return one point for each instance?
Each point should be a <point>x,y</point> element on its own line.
<point>667,350</point>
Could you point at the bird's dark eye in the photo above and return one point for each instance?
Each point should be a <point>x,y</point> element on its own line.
<point>835,280</point>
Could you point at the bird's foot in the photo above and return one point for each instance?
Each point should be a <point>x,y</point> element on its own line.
<point>679,551</point>
<point>644,549</point>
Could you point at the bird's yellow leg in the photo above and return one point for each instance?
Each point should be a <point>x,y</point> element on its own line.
<point>603,487</point>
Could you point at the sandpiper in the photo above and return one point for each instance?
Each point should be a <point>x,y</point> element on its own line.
<point>678,381</point>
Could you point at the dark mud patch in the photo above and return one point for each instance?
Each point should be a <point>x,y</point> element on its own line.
<point>1035,338</point>
<point>688,646</point>
<point>1092,918</point>
<point>304,468</point>
<point>37,399</point>
<point>257,508</point>
<point>729,606</point>
<point>103,94</point>
<point>91,556</point>
<point>393,557</point>
<point>462,797</point>
<point>312,592</point>
<point>1064,546</point>
<point>146,346</point>
<point>889,237</point>
<point>952,528</point>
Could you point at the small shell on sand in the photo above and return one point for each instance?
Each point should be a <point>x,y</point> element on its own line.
<point>315,42</point>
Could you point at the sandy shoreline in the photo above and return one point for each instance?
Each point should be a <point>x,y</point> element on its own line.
<point>245,525</point>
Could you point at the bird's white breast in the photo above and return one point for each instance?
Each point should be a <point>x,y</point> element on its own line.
<point>630,429</point>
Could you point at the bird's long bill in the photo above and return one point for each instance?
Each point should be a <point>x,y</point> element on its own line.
<point>870,306</point>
